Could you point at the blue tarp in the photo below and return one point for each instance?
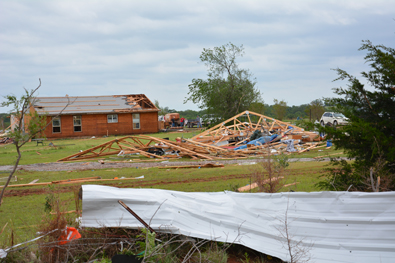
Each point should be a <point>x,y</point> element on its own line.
<point>257,142</point>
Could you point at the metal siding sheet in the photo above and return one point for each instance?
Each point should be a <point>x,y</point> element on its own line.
<point>342,226</point>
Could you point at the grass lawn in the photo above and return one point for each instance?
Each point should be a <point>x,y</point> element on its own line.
<point>33,153</point>
<point>23,207</point>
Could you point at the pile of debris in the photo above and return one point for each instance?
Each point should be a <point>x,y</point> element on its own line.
<point>6,140</point>
<point>246,134</point>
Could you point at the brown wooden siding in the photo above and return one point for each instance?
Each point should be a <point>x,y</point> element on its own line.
<point>96,125</point>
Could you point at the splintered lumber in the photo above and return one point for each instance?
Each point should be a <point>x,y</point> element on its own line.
<point>114,145</point>
<point>146,154</point>
<point>237,127</point>
<point>320,146</point>
<point>134,144</point>
<point>208,165</point>
<point>235,130</point>
<point>314,146</point>
<point>308,148</point>
<point>180,148</point>
<point>71,181</point>
<point>209,146</point>
<point>22,185</point>
<point>85,154</point>
<point>266,145</point>
<point>76,179</point>
<point>196,147</point>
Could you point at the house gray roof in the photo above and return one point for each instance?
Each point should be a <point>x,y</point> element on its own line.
<point>93,104</point>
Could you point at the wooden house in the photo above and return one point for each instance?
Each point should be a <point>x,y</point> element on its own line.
<point>97,115</point>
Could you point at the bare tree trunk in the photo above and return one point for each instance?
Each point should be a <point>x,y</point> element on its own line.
<point>11,174</point>
<point>372,181</point>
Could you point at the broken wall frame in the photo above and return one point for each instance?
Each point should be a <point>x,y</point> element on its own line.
<point>236,127</point>
<point>201,146</point>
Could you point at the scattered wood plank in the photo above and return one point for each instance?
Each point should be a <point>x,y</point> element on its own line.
<point>202,146</point>
<point>76,179</point>
<point>308,148</point>
<point>70,181</point>
<point>255,185</point>
<point>34,181</point>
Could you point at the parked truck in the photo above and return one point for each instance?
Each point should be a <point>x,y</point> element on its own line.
<point>191,123</point>
<point>171,118</point>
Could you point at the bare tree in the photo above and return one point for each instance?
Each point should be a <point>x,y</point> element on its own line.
<point>28,124</point>
<point>270,173</point>
<point>298,250</point>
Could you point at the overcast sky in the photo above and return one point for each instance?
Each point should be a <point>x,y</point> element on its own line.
<point>84,48</point>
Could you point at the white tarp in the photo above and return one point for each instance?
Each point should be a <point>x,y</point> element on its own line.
<point>339,226</point>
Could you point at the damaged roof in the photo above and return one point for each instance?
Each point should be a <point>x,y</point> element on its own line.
<point>93,104</point>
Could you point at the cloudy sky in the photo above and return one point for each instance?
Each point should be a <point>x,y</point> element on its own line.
<point>84,48</point>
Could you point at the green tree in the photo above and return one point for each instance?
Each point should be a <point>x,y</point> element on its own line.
<point>370,135</point>
<point>316,109</point>
<point>228,89</point>
<point>257,107</point>
<point>162,110</point>
<point>4,120</point>
<point>279,109</point>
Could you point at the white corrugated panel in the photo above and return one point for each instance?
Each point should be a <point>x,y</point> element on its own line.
<point>339,226</point>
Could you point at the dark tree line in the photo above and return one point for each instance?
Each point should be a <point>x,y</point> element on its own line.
<point>369,138</point>
<point>4,120</point>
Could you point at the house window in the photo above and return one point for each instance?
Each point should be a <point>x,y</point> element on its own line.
<point>56,124</point>
<point>77,123</point>
<point>136,120</point>
<point>112,118</point>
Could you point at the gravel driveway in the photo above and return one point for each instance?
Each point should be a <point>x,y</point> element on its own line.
<point>108,164</point>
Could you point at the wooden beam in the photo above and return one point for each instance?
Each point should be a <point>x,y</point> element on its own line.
<point>255,185</point>
<point>180,148</point>
<point>76,181</point>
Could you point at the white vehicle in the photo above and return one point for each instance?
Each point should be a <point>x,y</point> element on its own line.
<point>333,118</point>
